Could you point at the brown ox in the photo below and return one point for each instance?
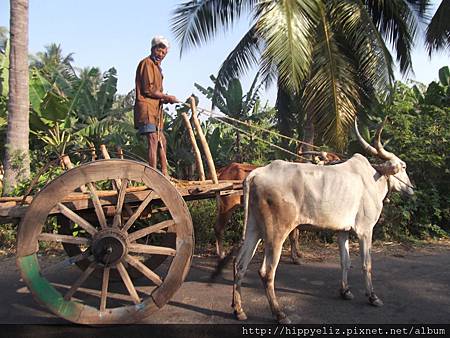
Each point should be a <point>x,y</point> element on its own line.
<point>226,205</point>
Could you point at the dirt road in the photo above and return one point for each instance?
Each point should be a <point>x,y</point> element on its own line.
<point>414,284</point>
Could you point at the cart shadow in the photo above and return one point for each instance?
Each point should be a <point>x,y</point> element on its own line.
<point>212,313</point>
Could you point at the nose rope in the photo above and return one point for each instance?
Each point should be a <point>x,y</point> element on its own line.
<point>408,185</point>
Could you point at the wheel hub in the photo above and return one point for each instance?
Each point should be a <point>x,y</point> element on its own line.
<point>109,246</point>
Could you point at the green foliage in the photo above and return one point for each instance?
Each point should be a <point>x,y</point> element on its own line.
<point>334,52</point>
<point>226,141</point>
<point>418,133</point>
<point>204,214</point>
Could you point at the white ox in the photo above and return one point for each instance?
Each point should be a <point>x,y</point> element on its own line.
<point>341,197</point>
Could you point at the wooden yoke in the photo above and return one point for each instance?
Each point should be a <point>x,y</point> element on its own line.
<point>209,159</point>
<point>198,156</point>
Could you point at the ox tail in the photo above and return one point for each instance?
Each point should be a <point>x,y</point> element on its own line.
<point>224,261</point>
<point>246,193</point>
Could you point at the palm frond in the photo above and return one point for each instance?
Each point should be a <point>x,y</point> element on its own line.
<point>332,95</point>
<point>397,23</point>
<point>252,95</point>
<point>364,43</point>
<point>242,57</point>
<point>288,28</point>
<point>438,31</point>
<point>195,22</point>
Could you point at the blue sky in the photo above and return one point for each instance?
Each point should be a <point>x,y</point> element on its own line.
<point>109,33</point>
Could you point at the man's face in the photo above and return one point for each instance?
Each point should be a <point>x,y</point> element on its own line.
<point>159,52</point>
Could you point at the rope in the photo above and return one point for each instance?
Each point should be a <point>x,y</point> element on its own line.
<point>260,139</point>
<point>212,114</point>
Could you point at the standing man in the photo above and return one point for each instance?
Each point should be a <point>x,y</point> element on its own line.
<point>148,107</point>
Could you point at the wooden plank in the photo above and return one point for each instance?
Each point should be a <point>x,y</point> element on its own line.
<point>12,211</point>
<point>151,249</point>
<point>63,239</point>
<point>150,229</point>
<point>144,270</point>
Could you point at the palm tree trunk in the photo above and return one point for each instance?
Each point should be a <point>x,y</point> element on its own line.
<point>308,133</point>
<point>17,160</point>
<point>284,117</point>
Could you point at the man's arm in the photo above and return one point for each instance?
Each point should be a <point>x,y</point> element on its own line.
<point>150,89</point>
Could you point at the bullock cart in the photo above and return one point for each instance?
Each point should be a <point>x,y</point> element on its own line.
<point>125,230</point>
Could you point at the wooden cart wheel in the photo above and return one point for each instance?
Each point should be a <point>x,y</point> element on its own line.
<point>66,227</point>
<point>110,244</point>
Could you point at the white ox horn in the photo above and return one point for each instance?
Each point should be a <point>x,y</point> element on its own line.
<point>367,147</point>
<point>382,153</point>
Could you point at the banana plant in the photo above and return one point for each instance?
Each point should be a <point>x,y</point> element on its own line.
<point>231,101</point>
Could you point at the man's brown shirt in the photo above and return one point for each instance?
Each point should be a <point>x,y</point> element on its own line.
<point>148,110</point>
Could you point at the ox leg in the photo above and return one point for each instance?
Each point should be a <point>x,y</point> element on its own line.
<point>365,244</point>
<point>295,250</point>
<point>272,254</point>
<point>345,264</point>
<point>223,217</point>
<point>240,267</point>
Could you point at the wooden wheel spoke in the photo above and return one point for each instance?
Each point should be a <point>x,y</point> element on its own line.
<point>80,281</point>
<point>97,205</point>
<point>104,293</point>
<point>128,283</point>
<point>149,230</point>
<point>77,219</point>
<point>151,249</point>
<point>67,262</point>
<point>139,211</point>
<point>144,269</point>
<point>120,203</point>
<point>63,238</point>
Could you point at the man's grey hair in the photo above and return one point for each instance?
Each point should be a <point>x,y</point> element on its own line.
<point>158,40</point>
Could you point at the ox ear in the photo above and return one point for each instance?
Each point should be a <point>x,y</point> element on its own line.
<point>388,168</point>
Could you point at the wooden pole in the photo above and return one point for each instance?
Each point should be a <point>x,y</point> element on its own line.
<point>119,152</point>
<point>117,182</point>
<point>198,156</point>
<point>69,165</point>
<point>209,159</point>
<point>93,154</point>
<point>104,152</point>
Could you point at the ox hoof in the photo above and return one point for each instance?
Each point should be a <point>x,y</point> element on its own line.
<point>240,315</point>
<point>375,301</point>
<point>283,319</point>
<point>347,294</point>
<point>296,261</point>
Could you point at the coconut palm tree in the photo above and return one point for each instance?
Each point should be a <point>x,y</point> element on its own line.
<point>331,53</point>
<point>17,160</point>
<point>438,31</point>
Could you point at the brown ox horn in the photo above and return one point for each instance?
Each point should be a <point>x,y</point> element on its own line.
<point>382,153</point>
<point>367,147</point>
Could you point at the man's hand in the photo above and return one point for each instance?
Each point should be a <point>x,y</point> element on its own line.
<point>170,99</point>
